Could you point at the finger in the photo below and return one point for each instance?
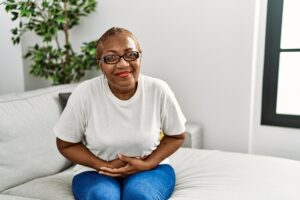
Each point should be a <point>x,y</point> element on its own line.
<point>129,169</point>
<point>110,174</point>
<point>126,158</point>
<point>109,170</point>
<point>132,171</point>
<point>121,170</point>
<point>126,170</point>
<point>122,157</point>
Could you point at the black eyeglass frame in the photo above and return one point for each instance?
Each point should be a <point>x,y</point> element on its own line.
<point>139,54</point>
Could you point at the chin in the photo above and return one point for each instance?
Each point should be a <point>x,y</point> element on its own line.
<point>124,83</point>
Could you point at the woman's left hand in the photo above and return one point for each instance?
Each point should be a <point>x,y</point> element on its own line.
<point>133,165</point>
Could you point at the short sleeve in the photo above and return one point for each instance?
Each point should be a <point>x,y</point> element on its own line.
<point>173,120</point>
<point>72,122</point>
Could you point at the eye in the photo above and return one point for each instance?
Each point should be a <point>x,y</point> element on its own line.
<point>110,58</point>
<point>132,55</point>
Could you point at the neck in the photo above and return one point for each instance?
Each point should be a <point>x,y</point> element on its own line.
<point>123,93</point>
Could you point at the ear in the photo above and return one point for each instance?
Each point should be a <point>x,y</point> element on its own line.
<point>99,64</point>
<point>100,69</point>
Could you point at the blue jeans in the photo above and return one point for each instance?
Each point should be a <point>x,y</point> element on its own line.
<point>155,184</point>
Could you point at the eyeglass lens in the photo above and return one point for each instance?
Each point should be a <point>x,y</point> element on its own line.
<point>128,56</point>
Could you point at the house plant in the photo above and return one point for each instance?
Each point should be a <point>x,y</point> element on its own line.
<point>52,20</point>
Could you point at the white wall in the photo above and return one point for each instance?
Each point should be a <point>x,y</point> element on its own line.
<point>11,66</point>
<point>203,49</point>
<point>31,82</point>
<point>268,140</point>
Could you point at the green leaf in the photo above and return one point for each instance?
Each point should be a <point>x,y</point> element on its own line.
<point>15,15</point>
<point>16,40</point>
<point>28,54</point>
<point>61,19</point>
<point>45,4</point>
<point>14,31</point>
<point>60,64</point>
<point>25,13</point>
<point>10,6</point>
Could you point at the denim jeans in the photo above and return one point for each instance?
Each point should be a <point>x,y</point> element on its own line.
<point>155,184</point>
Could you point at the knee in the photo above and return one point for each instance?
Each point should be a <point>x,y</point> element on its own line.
<point>107,193</point>
<point>138,193</point>
<point>92,186</point>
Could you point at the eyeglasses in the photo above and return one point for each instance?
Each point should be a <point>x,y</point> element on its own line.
<point>114,59</point>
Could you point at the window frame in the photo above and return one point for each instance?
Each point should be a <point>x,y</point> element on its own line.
<point>271,69</point>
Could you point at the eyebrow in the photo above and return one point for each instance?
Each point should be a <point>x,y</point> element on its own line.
<point>113,51</point>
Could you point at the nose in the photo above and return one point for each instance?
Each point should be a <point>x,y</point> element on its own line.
<point>122,63</point>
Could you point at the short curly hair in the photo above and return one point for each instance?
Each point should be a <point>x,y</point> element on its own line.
<point>113,32</point>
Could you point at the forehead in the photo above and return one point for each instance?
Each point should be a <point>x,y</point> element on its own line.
<point>119,42</point>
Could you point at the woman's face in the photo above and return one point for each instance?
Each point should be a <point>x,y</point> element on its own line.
<point>123,75</point>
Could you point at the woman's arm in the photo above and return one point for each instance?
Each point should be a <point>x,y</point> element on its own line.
<point>167,146</point>
<point>78,153</point>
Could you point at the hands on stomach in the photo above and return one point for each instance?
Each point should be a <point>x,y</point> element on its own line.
<point>124,166</point>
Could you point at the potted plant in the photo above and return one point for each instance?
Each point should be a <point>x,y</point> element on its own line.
<point>48,19</point>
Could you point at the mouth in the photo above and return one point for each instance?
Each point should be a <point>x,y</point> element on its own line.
<point>122,74</point>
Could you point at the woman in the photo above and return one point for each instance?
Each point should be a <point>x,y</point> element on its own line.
<point>111,127</point>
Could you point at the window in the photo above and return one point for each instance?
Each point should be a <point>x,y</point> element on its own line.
<point>281,81</point>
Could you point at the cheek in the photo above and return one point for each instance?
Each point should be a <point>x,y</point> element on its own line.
<point>105,69</point>
<point>137,65</point>
<point>137,71</point>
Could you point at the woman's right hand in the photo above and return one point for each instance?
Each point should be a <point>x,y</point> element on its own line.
<point>117,163</point>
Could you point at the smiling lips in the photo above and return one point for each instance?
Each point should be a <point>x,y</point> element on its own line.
<point>122,74</point>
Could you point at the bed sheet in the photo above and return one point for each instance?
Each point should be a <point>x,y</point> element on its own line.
<point>218,175</point>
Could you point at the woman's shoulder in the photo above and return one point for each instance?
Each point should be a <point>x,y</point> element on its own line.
<point>155,83</point>
<point>87,84</point>
<point>86,88</point>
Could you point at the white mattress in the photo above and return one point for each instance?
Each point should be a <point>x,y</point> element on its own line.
<point>217,175</point>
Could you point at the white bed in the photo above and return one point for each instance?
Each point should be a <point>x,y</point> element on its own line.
<point>218,175</point>
<point>201,174</point>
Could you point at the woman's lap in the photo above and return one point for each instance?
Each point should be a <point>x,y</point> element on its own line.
<point>92,185</point>
<point>157,183</point>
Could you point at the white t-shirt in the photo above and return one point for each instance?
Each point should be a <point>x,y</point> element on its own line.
<point>108,125</point>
